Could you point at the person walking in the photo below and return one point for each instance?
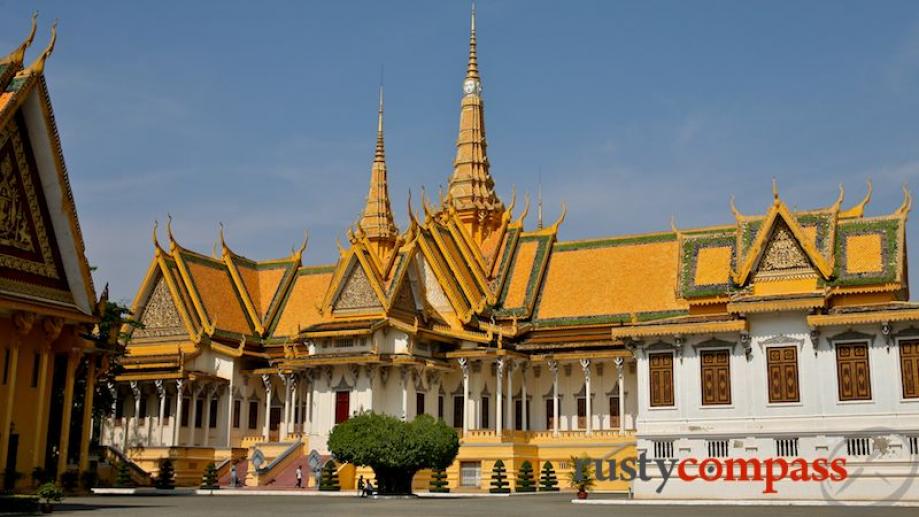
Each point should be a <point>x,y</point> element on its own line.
<point>360,486</point>
<point>234,479</point>
<point>299,476</point>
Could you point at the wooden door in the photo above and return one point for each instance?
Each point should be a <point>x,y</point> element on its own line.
<point>342,406</point>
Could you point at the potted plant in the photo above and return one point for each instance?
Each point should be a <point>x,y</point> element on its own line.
<point>581,476</point>
<point>49,494</point>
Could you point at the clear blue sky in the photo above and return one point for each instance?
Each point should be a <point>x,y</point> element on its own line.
<point>263,115</point>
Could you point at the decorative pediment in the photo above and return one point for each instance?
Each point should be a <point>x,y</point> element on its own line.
<point>781,248</point>
<point>356,293</point>
<point>160,316</point>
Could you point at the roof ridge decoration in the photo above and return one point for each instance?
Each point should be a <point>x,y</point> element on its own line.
<point>17,56</point>
<point>858,210</point>
<point>377,224</point>
<point>471,189</point>
<point>778,212</point>
<point>38,66</point>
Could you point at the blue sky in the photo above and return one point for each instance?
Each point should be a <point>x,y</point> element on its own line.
<point>262,116</point>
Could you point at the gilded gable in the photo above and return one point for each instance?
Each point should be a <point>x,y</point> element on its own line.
<point>30,263</point>
<point>357,293</point>
<point>160,317</point>
<point>783,255</point>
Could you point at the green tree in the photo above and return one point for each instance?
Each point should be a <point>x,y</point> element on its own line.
<point>328,480</point>
<point>394,449</point>
<point>525,478</point>
<point>165,478</point>
<point>548,482</point>
<point>123,476</point>
<point>209,479</point>
<point>439,481</point>
<point>499,484</point>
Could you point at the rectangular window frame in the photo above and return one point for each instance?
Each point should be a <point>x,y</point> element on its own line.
<point>853,393</point>
<point>909,366</point>
<point>783,365</point>
<point>252,415</point>
<point>716,399</point>
<point>656,374</point>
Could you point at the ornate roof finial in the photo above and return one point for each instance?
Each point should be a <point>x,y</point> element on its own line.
<point>859,209</point>
<point>377,221</point>
<point>223,242</point>
<point>526,209</point>
<point>561,218</point>
<point>907,202</point>
<point>471,191</point>
<point>539,202</point>
<point>839,198</point>
<point>38,66</point>
<point>734,210</point>
<point>306,240</point>
<point>472,68</point>
<point>156,240</point>
<point>18,55</point>
<point>172,241</point>
<point>775,191</point>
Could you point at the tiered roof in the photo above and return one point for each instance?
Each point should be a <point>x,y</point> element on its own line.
<point>469,276</point>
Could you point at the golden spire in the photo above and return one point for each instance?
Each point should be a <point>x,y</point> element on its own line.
<point>472,190</point>
<point>377,219</point>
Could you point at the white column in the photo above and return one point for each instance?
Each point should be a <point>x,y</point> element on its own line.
<point>499,394</point>
<point>464,365</point>
<point>585,365</point>
<point>208,395</point>
<point>403,374</point>
<point>192,430</point>
<point>293,406</point>
<point>509,419</point>
<point>177,425</point>
<point>619,385</point>
<point>285,422</point>
<point>229,441</point>
<point>135,388</point>
<point>553,367</point>
<point>309,404</point>
<point>114,392</point>
<point>266,429</point>
<point>161,392</point>
<point>523,392</point>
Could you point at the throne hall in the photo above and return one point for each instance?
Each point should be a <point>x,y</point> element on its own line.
<point>782,333</point>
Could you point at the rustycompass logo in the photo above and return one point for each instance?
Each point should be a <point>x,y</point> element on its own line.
<point>766,471</point>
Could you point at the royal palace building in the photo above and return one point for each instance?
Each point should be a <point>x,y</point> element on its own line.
<point>783,334</point>
<point>47,299</point>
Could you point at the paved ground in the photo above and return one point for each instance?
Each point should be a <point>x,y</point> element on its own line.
<point>555,505</point>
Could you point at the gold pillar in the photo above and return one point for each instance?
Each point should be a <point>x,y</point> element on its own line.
<point>87,427</point>
<point>40,404</point>
<point>72,360</point>
<point>8,413</point>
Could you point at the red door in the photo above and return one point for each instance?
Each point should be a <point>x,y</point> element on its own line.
<point>342,406</point>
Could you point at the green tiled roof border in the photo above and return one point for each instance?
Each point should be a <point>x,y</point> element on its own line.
<point>617,241</point>
<point>689,254</point>
<point>539,265</point>
<point>888,229</point>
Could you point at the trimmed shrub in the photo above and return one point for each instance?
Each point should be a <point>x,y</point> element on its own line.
<point>439,481</point>
<point>499,484</point>
<point>328,481</point>
<point>26,504</point>
<point>209,480</point>
<point>69,480</point>
<point>525,481</point>
<point>165,478</point>
<point>548,482</point>
<point>123,476</point>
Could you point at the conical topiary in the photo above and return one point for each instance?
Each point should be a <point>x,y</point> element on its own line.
<point>209,480</point>
<point>328,481</point>
<point>499,484</point>
<point>165,478</point>
<point>123,476</point>
<point>439,481</point>
<point>548,482</point>
<point>525,478</point>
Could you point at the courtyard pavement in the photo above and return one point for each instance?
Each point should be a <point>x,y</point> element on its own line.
<point>556,505</point>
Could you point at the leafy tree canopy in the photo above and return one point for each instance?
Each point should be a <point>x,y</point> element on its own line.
<point>394,449</point>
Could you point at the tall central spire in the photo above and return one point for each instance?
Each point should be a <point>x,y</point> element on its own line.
<point>377,220</point>
<point>472,189</point>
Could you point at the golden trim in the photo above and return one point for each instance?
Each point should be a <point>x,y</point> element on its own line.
<point>714,327</point>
